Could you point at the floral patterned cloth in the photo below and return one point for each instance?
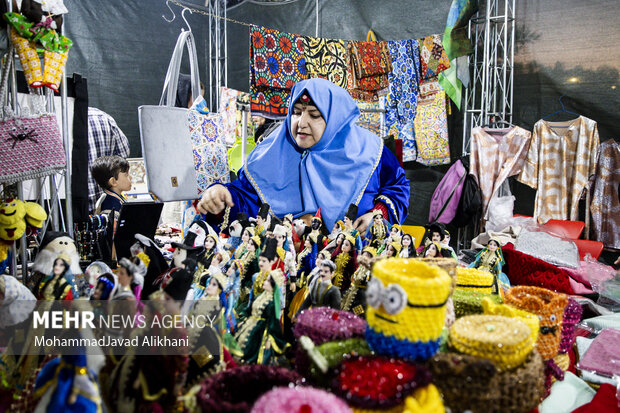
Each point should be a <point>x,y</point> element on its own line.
<point>277,62</point>
<point>368,65</point>
<point>433,57</point>
<point>431,129</point>
<point>326,58</point>
<point>371,116</point>
<point>229,112</point>
<point>403,94</point>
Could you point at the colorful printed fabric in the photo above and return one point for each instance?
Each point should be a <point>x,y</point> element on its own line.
<point>433,57</point>
<point>371,116</point>
<point>368,64</point>
<point>210,161</point>
<point>229,112</point>
<point>277,62</point>
<point>327,59</point>
<point>403,94</point>
<point>605,205</point>
<point>431,130</point>
<point>278,58</point>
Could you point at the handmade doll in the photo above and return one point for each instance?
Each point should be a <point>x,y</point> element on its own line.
<point>126,271</point>
<point>348,221</point>
<point>53,244</point>
<point>433,250</point>
<point>260,336</point>
<point>59,285</point>
<point>392,250</point>
<point>445,244</point>
<point>337,229</point>
<point>105,287</point>
<point>491,259</point>
<point>210,248</point>
<point>181,253</point>
<point>323,293</point>
<point>335,243</point>
<point>292,232</point>
<point>317,230</point>
<point>378,230</point>
<point>91,275</point>
<point>235,229</point>
<point>266,260</point>
<point>39,24</point>
<point>435,232</point>
<point>242,249</point>
<point>262,220</point>
<point>354,298</point>
<point>286,254</point>
<point>345,257</point>
<point>306,262</point>
<point>408,248</point>
<point>154,260</point>
<point>396,234</point>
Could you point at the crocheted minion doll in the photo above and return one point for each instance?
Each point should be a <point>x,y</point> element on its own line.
<point>406,308</point>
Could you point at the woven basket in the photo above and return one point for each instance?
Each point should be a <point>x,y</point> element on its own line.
<point>377,383</point>
<point>448,265</point>
<point>413,331</point>
<point>299,399</point>
<point>491,308</point>
<point>505,341</point>
<point>549,307</point>
<point>237,389</point>
<point>470,302</point>
<point>473,383</point>
<point>471,279</point>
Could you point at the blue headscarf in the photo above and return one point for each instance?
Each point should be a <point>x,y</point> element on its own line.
<point>331,174</point>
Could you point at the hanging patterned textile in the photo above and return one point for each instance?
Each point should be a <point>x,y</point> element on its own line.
<point>402,98</point>
<point>433,57</point>
<point>230,113</point>
<point>326,58</point>
<point>368,65</point>
<point>431,126</point>
<point>277,62</point>
<point>605,205</point>
<point>371,114</point>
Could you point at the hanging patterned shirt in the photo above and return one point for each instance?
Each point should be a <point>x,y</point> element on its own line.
<point>104,138</point>
<point>561,159</point>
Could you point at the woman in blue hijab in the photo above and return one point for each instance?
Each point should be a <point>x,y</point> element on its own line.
<point>318,158</point>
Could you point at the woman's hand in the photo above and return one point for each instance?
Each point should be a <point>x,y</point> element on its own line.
<point>361,224</point>
<point>214,200</point>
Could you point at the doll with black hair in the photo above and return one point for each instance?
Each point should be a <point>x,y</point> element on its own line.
<point>59,285</point>
<point>407,247</point>
<point>242,249</point>
<point>260,336</point>
<point>354,299</point>
<point>345,258</point>
<point>126,271</point>
<point>435,232</point>
<point>434,250</point>
<point>491,259</point>
<point>392,250</point>
<point>378,231</point>
<point>262,220</point>
<point>154,260</point>
<point>285,260</point>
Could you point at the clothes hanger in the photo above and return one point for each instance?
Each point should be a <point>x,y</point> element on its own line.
<point>497,121</point>
<point>171,11</point>
<point>563,110</point>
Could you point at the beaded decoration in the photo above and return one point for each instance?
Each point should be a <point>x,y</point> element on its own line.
<point>406,308</point>
<point>505,341</point>
<point>469,383</point>
<point>572,315</point>
<point>549,307</point>
<point>370,383</point>
<point>299,399</point>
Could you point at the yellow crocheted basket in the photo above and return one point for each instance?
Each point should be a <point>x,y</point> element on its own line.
<point>427,288</point>
<point>471,279</point>
<point>491,308</point>
<point>424,400</point>
<point>505,341</point>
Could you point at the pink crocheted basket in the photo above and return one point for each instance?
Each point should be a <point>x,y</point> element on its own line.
<point>323,324</point>
<point>300,399</point>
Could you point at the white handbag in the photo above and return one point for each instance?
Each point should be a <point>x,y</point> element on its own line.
<point>165,133</point>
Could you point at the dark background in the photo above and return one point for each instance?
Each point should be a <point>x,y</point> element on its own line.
<point>563,47</point>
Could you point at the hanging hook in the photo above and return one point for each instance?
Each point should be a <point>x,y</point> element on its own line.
<point>184,19</point>
<point>171,11</point>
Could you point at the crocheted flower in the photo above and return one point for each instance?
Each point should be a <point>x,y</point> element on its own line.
<point>300,399</point>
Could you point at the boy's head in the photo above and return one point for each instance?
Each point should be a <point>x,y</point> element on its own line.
<point>112,172</point>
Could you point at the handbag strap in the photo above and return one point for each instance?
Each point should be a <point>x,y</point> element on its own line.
<point>371,36</point>
<point>4,83</point>
<point>169,93</point>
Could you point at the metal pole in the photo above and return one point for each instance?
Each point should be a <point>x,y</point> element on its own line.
<point>210,54</point>
<point>244,133</point>
<point>67,143</point>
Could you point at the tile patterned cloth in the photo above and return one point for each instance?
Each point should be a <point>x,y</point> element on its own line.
<point>433,57</point>
<point>210,160</point>
<point>402,98</point>
<point>326,58</point>
<point>368,65</point>
<point>431,130</point>
<point>277,62</point>
<point>561,159</point>
<point>370,117</point>
<point>495,155</point>
<point>605,205</point>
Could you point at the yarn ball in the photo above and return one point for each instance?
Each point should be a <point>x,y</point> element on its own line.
<point>323,324</point>
<point>299,399</point>
<point>237,389</point>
